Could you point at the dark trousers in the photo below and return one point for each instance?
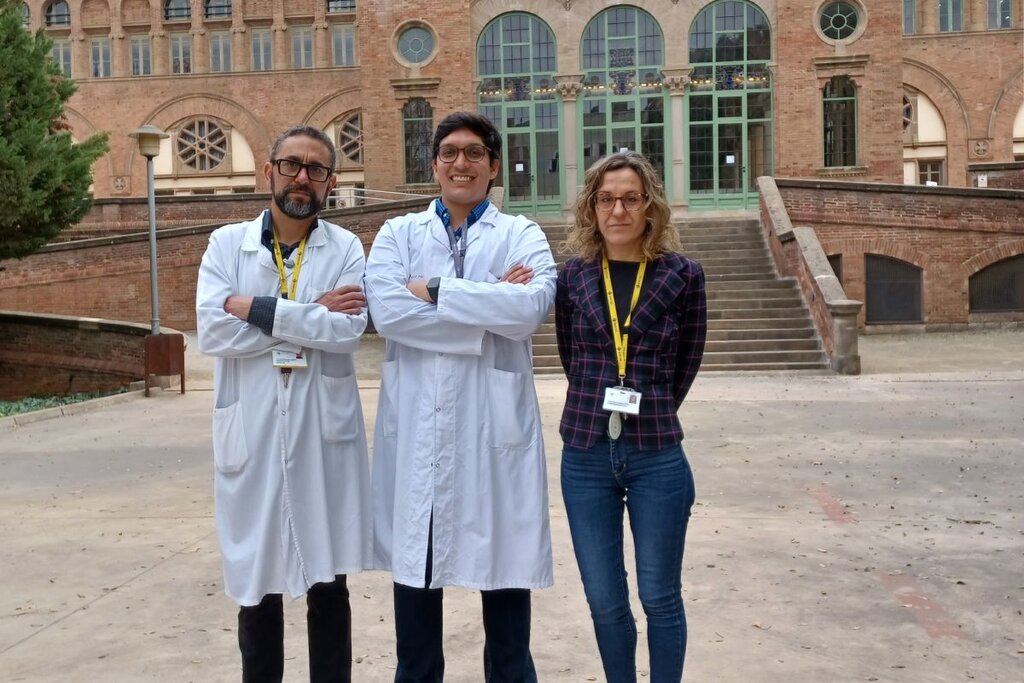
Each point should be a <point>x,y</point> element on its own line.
<point>328,621</point>
<point>418,627</point>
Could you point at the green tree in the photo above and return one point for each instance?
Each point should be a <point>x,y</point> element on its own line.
<point>44,176</point>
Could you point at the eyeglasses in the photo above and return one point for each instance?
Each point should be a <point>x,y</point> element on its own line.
<point>473,153</point>
<point>632,201</point>
<point>290,168</point>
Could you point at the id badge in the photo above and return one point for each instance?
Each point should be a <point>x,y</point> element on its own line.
<point>289,359</point>
<point>622,400</point>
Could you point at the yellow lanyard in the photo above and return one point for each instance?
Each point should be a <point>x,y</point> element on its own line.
<point>285,291</point>
<point>621,340</point>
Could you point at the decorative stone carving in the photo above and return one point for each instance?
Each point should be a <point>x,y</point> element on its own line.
<point>569,85</point>
<point>981,148</point>
<point>119,184</point>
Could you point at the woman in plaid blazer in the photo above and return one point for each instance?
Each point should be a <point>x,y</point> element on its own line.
<point>620,426</point>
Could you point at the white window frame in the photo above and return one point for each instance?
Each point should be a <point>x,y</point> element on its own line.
<point>302,47</point>
<point>141,55</point>
<point>180,46</point>
<point>343,44</point>
<point>220,52</point>
<point>60,53</point>
<point>262,49</point>
<point>99,58</point>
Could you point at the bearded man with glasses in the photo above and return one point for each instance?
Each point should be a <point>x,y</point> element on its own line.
<point>459,477</point>
<point>279,305</point>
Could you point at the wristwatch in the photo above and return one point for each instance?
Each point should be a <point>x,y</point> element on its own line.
<point>433,284</point>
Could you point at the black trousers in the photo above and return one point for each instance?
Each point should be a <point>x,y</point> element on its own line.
<point>328,621</point>
<point>419,624</point>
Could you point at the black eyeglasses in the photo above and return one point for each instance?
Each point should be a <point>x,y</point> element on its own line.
<point>632,201</point>
<point>473,153</point>
<point>290,168</point>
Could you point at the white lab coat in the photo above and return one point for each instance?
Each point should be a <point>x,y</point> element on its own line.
<point>458,431</point>
<point>291,482</point>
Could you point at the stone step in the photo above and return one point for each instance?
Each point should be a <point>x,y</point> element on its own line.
<point>725,273</point>
<point>758,313</point>
<point>739,345</point>
<point>741,323</point>
<point>821,368</point>
<point>751,286</point>
<point>548,370</point>
<point>785,334</point>
<point>691,248</point>
<point>547,362</point>
<point>749,357</point>
<point>791,302</point>
<point>719,253</point>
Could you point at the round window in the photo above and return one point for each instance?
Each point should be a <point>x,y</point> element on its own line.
<point>201,145</point>
<point>416,44</point>
<point>838,20</point>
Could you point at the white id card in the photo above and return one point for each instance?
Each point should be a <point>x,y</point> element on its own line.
<point>622,400</point>
<point>289,359</point>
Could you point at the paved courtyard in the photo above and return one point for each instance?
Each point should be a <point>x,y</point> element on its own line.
<point>863,528</point>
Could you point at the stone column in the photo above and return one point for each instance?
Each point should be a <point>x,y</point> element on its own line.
<point>120,57</point>
<point>975,15</point>
<point>81,56</point>
<point>569,86</point>
<point>241,52</point>
<point>677,81</point>
<point>845,358</point>
<point>321,43</point>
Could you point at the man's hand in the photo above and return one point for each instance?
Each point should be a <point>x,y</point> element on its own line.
<point>518,275</point>
<point>238,306</point>
<point>419,289</point>
<point>348,299</point>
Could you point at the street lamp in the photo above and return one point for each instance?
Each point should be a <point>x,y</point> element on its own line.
<point>149,137</point>
<point>164,353</point>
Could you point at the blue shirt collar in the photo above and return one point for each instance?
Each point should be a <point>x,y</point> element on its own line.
<point>474,215</point>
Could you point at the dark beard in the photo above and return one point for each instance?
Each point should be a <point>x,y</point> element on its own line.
<point>296,208</point>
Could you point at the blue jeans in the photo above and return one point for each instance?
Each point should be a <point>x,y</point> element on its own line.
<point>657,489</point>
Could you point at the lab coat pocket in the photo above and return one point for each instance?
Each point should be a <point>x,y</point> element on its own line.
<point>510,412</point>
<point>387,416</point>
<point>230,451</point>
<point>339,408</point>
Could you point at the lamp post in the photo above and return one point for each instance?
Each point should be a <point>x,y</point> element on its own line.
<point>149,138</point>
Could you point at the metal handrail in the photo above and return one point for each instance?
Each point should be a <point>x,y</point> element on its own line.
<point>342,197</point>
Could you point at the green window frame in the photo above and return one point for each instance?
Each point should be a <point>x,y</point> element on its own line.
<point>839,120</point>
<point>417,137</point>
<point>624,103</point>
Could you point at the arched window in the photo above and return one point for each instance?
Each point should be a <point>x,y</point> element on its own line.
<point>623,100</point>
<point>26,15</point>
<point>350,140</point>
<point>839,114</point>
<point>341,5</point>
<point>177,10</point>
<point>999,287</point>
<point>893,290</point>
<point>58,14</point>
<point>515,59</point>
<point>729,106</point>
<point>201,145</point>
<point>217,9</point>
<point>417,134</point>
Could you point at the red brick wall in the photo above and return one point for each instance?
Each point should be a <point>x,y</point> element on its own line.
<point>951,233</point>
<point>44,355</point>
<point>124,215</point>
<point>109,277</point>
<point>1009,176</point>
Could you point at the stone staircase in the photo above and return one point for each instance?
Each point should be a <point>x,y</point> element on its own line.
<point>756,321</point>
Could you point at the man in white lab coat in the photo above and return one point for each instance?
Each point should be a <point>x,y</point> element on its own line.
<point>279,304</point>
<point>459,478</point>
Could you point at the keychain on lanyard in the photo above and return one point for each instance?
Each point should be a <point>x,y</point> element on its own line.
<point>286,291</point>
<point>618,399</point>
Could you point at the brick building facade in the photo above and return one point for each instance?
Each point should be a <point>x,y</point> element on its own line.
<point>717,92</point>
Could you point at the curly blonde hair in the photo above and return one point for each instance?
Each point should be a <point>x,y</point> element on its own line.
<point>584,238</point>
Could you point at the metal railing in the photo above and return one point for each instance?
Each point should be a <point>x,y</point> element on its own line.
<point>344,197</point>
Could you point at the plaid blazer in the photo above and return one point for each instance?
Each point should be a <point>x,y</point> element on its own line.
<point>666,343</point>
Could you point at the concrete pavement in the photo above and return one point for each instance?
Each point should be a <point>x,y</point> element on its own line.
<point>847,529</point>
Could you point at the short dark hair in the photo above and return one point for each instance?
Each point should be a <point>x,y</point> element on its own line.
<point>481,125</point>
<point>309,132</point>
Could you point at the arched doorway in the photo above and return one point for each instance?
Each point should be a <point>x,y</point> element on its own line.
<point>729,105</point>
<point>623,102</point>
<point>516,66</point>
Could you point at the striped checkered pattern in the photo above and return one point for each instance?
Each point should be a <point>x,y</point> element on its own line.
<point>666,343</point>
